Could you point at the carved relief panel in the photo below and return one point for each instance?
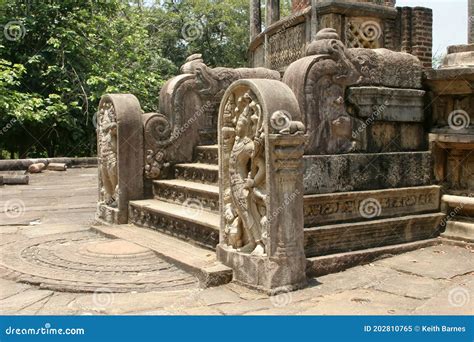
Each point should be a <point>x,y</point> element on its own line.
<point>261,145</point>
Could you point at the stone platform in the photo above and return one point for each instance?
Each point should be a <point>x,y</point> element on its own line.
<point>433,280</point>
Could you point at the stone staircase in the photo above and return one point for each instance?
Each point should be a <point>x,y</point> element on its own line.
<point>186,207</point>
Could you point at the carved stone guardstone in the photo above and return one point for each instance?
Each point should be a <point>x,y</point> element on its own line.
<point>261,145</point>
<point>120,153</point>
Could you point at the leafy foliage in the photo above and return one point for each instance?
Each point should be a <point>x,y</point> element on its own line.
<point>63,55</point>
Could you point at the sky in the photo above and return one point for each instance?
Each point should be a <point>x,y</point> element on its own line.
<point>449,21</point>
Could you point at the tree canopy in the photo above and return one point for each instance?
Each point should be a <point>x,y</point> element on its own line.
<point>58,57</point>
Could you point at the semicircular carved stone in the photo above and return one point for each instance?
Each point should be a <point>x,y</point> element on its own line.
<point>261,144</point>
<point>120,153</point>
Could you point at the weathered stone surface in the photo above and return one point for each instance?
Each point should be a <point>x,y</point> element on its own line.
<point>462,230</point>
<point>334,263</point>
<point>86,262</point>
<point>120,150</point>
<point>388,104</point>
<point>261,143</point>
<point>459,55</point>
<point>352,236</point>
<point>349,206</point>
<point>188,113</point>
<point>190,223</point>
<point>361,23</point>
<point>433,263</point>
<point>200,262</point>
<point>357,172</point>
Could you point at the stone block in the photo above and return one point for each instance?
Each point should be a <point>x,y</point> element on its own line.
<point>358,172</point>
<point>345,237</point>
<point>120,151</point>
<point>351,206</point>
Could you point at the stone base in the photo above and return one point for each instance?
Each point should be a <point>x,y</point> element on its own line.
<point>346,237</point>
<point>195,260</point>
<point>108,215</point>
<point>366,171</point>
<point>270,275</point>
<point>460,231</point>
<point>322,265</point>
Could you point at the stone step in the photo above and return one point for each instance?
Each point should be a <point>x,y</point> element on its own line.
<point>190,223</point>
<point>376,204</point>
<point>207,154</point>
<point>187,193</point>
<point>198,172</point>
<point>460,229</point>
<point>334,263</point>
<point>200,262</point>
<point>353,236</point>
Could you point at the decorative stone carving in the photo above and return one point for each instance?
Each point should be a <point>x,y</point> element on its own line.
<point>336,118</point>
<point>286,46</point>
<point>364,33</point>
<point>188,113</point>
<point>261,143</point>
<point>120,152</point>
<point>319,82</point>
<point>107,148</point>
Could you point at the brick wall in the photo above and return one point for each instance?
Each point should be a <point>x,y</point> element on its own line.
<point>298,5</point>
<point>416,32</point>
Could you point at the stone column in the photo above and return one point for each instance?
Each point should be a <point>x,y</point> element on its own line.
<point>273,12</point>
<point>261,146</point>
<point>120,154</point>
<point>470,14</point>
<point>255,19</point>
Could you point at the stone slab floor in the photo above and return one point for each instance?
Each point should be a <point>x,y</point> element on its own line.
<point>50,263</point>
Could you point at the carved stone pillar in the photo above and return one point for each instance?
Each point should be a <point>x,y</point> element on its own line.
<point>261,142</point>
<point>120,153</point>
<point>273,12</point>
<point>255,19</point>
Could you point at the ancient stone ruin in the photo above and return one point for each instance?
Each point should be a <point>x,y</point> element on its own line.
<point>339,146</point>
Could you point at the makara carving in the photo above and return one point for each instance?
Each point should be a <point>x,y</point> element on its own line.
<point>188,113</point>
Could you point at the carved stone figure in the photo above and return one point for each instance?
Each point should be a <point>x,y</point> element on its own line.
<point>246,210</point>
<point>261,144</point>
<point>107,131</point>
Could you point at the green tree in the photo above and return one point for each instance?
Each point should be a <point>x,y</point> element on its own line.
<point>60,56</point>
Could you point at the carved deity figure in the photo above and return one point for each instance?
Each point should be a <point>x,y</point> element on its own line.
<point>245,213</point>
<point>108,155</point>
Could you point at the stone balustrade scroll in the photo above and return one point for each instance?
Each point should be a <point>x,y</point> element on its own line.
<point>120,154</point>
<point>261,145</point>
<point>188,113</point>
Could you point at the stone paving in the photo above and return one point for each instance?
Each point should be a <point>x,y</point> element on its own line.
<point>51,263</point>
